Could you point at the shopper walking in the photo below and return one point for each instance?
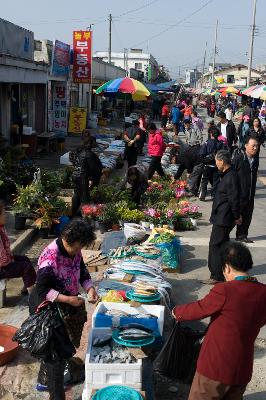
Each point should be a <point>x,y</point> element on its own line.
<point>156,148</point>
<point>193,136</point>
<point>197,121</point>
<point>237,311</point>
<point>228,130</point>
<point>61,271</point>
<point>210,172</point>
<point>225,214</point>
<point>131,137</point>
<point>229,112</point>
<point>246,165</point>
<point>257,131</point>
<point>176,117</point>
<point>243,131</point>
<point>165,115</point>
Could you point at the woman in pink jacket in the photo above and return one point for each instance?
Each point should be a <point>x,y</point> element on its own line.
<point>156,148</point>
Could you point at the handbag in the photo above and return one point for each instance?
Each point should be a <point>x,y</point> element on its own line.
<point>44,336</point>
<point>178,357</point>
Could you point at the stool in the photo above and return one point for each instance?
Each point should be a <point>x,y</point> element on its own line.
<point>2,292</point>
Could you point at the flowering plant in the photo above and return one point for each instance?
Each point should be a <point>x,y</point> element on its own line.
<point>153,215</point>
<point>93,211</point>
<point>194,212</point>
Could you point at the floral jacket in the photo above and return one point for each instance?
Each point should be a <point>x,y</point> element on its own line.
<point>59,273</point>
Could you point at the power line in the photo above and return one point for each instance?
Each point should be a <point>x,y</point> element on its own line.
<point>178,23</point>
<point>137,9</point>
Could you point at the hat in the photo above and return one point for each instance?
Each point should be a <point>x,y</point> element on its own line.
<point>246,118</point>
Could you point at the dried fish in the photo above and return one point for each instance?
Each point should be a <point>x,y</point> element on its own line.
<point>134,334</point>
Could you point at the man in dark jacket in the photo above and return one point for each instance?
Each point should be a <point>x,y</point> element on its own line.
<point>210,171</point>
<point>86,175</point>
<point>228,130</point>
<point>225,214</point>
<point>237,311</point>
<point>246,165</point>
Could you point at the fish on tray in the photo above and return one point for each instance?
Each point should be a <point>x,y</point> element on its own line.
<point>134,334</point>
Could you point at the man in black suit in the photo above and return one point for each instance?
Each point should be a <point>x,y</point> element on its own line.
<point>246,164</point>
<point>225,214</point>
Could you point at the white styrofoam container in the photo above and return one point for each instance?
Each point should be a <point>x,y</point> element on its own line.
<point>155,310</point>
<point>101,375</point>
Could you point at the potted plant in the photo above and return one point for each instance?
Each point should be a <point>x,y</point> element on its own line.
<point>109,217</point>
<point>22,204</point>
<point>47,215</point>
<point>92,212</point>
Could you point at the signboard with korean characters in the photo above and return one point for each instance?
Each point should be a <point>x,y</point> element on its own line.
<point>60,107</point>
<point>61,59</point>
<point>77,119</point>
<point>82,56</point>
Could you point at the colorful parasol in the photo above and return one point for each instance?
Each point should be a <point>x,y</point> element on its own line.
<point>125,85</point>
<point>247,91</point>
<point>259,92</point>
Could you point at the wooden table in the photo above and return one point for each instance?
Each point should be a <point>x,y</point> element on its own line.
<point>47,141</point>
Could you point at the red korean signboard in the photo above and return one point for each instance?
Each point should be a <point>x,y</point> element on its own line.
<point>82,56</point>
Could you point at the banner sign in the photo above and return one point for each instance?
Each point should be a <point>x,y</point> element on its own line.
<point>77,119</point>
<point>60,107</point>
<point>61,59</point>
<point>82,56</point>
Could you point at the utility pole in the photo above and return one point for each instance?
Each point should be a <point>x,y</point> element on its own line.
<point>250,55</point>
<point>203,65</point>
<point>110,39</point>
<point>214,55</point>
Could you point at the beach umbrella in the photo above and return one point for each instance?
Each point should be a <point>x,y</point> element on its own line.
<point>125,85</point>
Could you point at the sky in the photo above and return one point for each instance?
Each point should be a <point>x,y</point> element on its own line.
<point>175,32</point>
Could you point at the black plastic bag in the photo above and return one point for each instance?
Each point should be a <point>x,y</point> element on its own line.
<point>43,334</point>
<point>178,357</point>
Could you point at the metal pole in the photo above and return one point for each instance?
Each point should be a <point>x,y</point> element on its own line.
<point>214,55</point>
<point>250,56</point>
<point>203,65</point>
<point>110,39</point>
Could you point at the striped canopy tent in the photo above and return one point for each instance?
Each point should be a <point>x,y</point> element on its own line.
<point>259,92</point>
<point>131,86</point>
<point>250,89</point>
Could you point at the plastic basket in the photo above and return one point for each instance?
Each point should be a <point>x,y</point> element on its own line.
<point>132,343</point>
<point>117,393</point>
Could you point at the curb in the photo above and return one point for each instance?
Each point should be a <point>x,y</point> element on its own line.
<point>23,240</point>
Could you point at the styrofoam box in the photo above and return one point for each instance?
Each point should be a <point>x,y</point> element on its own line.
<point>101,375</point>
<point>156,310</point>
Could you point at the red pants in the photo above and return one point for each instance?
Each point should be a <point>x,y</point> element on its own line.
<point>204,388</point>
<point>20,268</point>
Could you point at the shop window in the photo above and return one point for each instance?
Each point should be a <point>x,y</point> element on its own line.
<point>138,66</point>
<point>230,78</point>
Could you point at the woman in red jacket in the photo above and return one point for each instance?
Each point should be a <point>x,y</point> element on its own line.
<point>156,148</point>
<point>237,311</point>
<point>165,115</point>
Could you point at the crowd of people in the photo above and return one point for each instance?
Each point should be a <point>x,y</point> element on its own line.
<point>229,160</point>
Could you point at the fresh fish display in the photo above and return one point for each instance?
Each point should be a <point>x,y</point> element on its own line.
<point>132,334</point>
<point>116,313</point>
<point>100,342</point>
<point>111,354</point>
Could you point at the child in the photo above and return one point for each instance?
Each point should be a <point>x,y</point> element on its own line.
<point>12,266</point>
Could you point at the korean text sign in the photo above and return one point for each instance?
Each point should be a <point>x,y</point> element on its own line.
<point>77,119</point>
<point>82,41</point>
<point>61,59</point>
<point>60,107</point>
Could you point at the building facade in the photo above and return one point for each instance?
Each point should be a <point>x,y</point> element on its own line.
<point>133,59</point>
<point>236,75</point>
<point>22,83</point>
<point>192,76</point>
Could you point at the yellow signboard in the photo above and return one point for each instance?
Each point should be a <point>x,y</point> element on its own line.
<point>77,119</point>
